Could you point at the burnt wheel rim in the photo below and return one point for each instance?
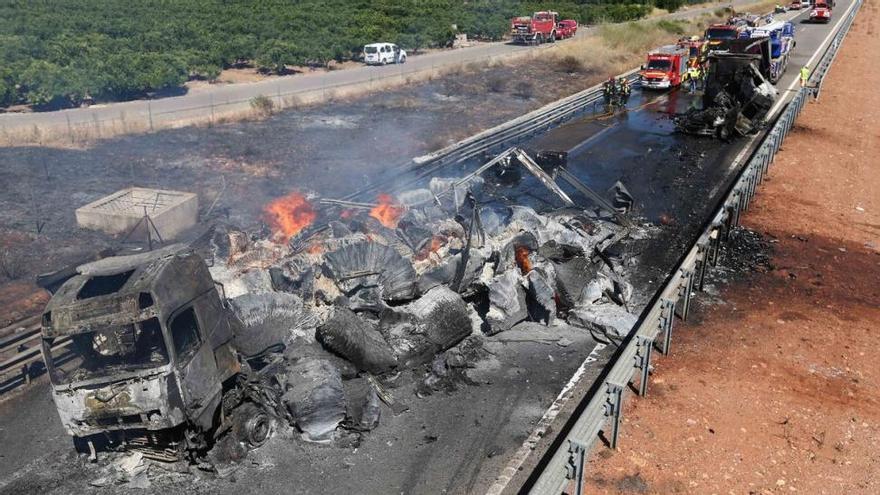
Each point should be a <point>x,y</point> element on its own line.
<point>257,429</point>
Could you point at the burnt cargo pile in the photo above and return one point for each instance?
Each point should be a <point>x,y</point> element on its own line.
<point>417,281</point>
<point>316,318</point>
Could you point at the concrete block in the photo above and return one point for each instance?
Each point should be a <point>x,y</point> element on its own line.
<point>172,212</point>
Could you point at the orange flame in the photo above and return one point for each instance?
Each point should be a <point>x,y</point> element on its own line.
<point>436,243</point>
<point>521,253</point>
<point>289,214</point>
<point>387,211</point>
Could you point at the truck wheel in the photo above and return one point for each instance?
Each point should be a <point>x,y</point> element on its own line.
<point>252,425</point>
<point>553,37</point>
<point>81,445</point>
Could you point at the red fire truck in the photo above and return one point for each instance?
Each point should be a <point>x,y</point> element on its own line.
<point>566,29</point>
<point>536,29</point>
<point>719,35</point>
<point>821,12</point>
<point>696,48</point>
<point>666,68</point>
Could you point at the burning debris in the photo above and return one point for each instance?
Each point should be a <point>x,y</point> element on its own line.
<point>394,283</point>
<point>340,298</point>
<point>290,214</point>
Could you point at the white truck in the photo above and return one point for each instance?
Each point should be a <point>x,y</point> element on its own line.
<point>781,34</point>
<point>383,53</point>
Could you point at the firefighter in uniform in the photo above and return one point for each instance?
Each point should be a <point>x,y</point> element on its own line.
<point>693,77</point>
<point>609,91</point>
<point>624,90</point>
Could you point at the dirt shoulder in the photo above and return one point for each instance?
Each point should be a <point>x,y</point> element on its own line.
<point>774,388</point>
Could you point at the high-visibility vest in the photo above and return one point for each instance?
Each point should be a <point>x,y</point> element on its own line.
<point>805,73</point>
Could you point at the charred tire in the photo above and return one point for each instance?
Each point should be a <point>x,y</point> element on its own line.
<point>81,445</point>
<point>252,425</point>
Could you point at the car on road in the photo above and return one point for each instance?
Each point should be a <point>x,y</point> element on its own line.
<point>821,12</point>
<point>383,53</point>
<point>796,5</point>
<point>566,28</point>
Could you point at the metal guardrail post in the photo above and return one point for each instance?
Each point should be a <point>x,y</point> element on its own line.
<point>614,409</point>
<point>643,362</point>
<point>575,468</point>
<point>715,242</point>
<point>703,253</point>
<point>667,322</point>
<point>687,289</point>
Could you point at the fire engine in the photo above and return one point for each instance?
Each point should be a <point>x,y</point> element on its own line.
<point>666,67</point>
<point>718,36</point>
<point>536,29</point>
<point>566,28</point>
<point>821,12</point>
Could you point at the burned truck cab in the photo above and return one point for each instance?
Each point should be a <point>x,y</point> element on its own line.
<point>145,343</point>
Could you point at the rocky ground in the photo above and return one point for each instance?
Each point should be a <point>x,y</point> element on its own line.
<point>772,386</point>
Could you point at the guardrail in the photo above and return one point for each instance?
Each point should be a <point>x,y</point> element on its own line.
<point>19,352</point>
<point>563,463</point>
<point>499,137</point>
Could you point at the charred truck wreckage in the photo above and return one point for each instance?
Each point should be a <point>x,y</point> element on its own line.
<point>738,93</point>
<point>309,321</point>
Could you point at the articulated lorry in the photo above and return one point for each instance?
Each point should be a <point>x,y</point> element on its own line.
<point>738,93</point>
<point>153,365</point>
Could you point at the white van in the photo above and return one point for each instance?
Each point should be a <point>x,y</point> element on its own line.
<point>383,53</point>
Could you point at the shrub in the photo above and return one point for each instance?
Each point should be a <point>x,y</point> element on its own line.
<point>669,5</point>
<point>275,56</point>
<point>11,265</point>
<point>672,27</point>
<point>496,84</point>
<point>569,64</point>
<point>263,105</point>
<point>524,90</point>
